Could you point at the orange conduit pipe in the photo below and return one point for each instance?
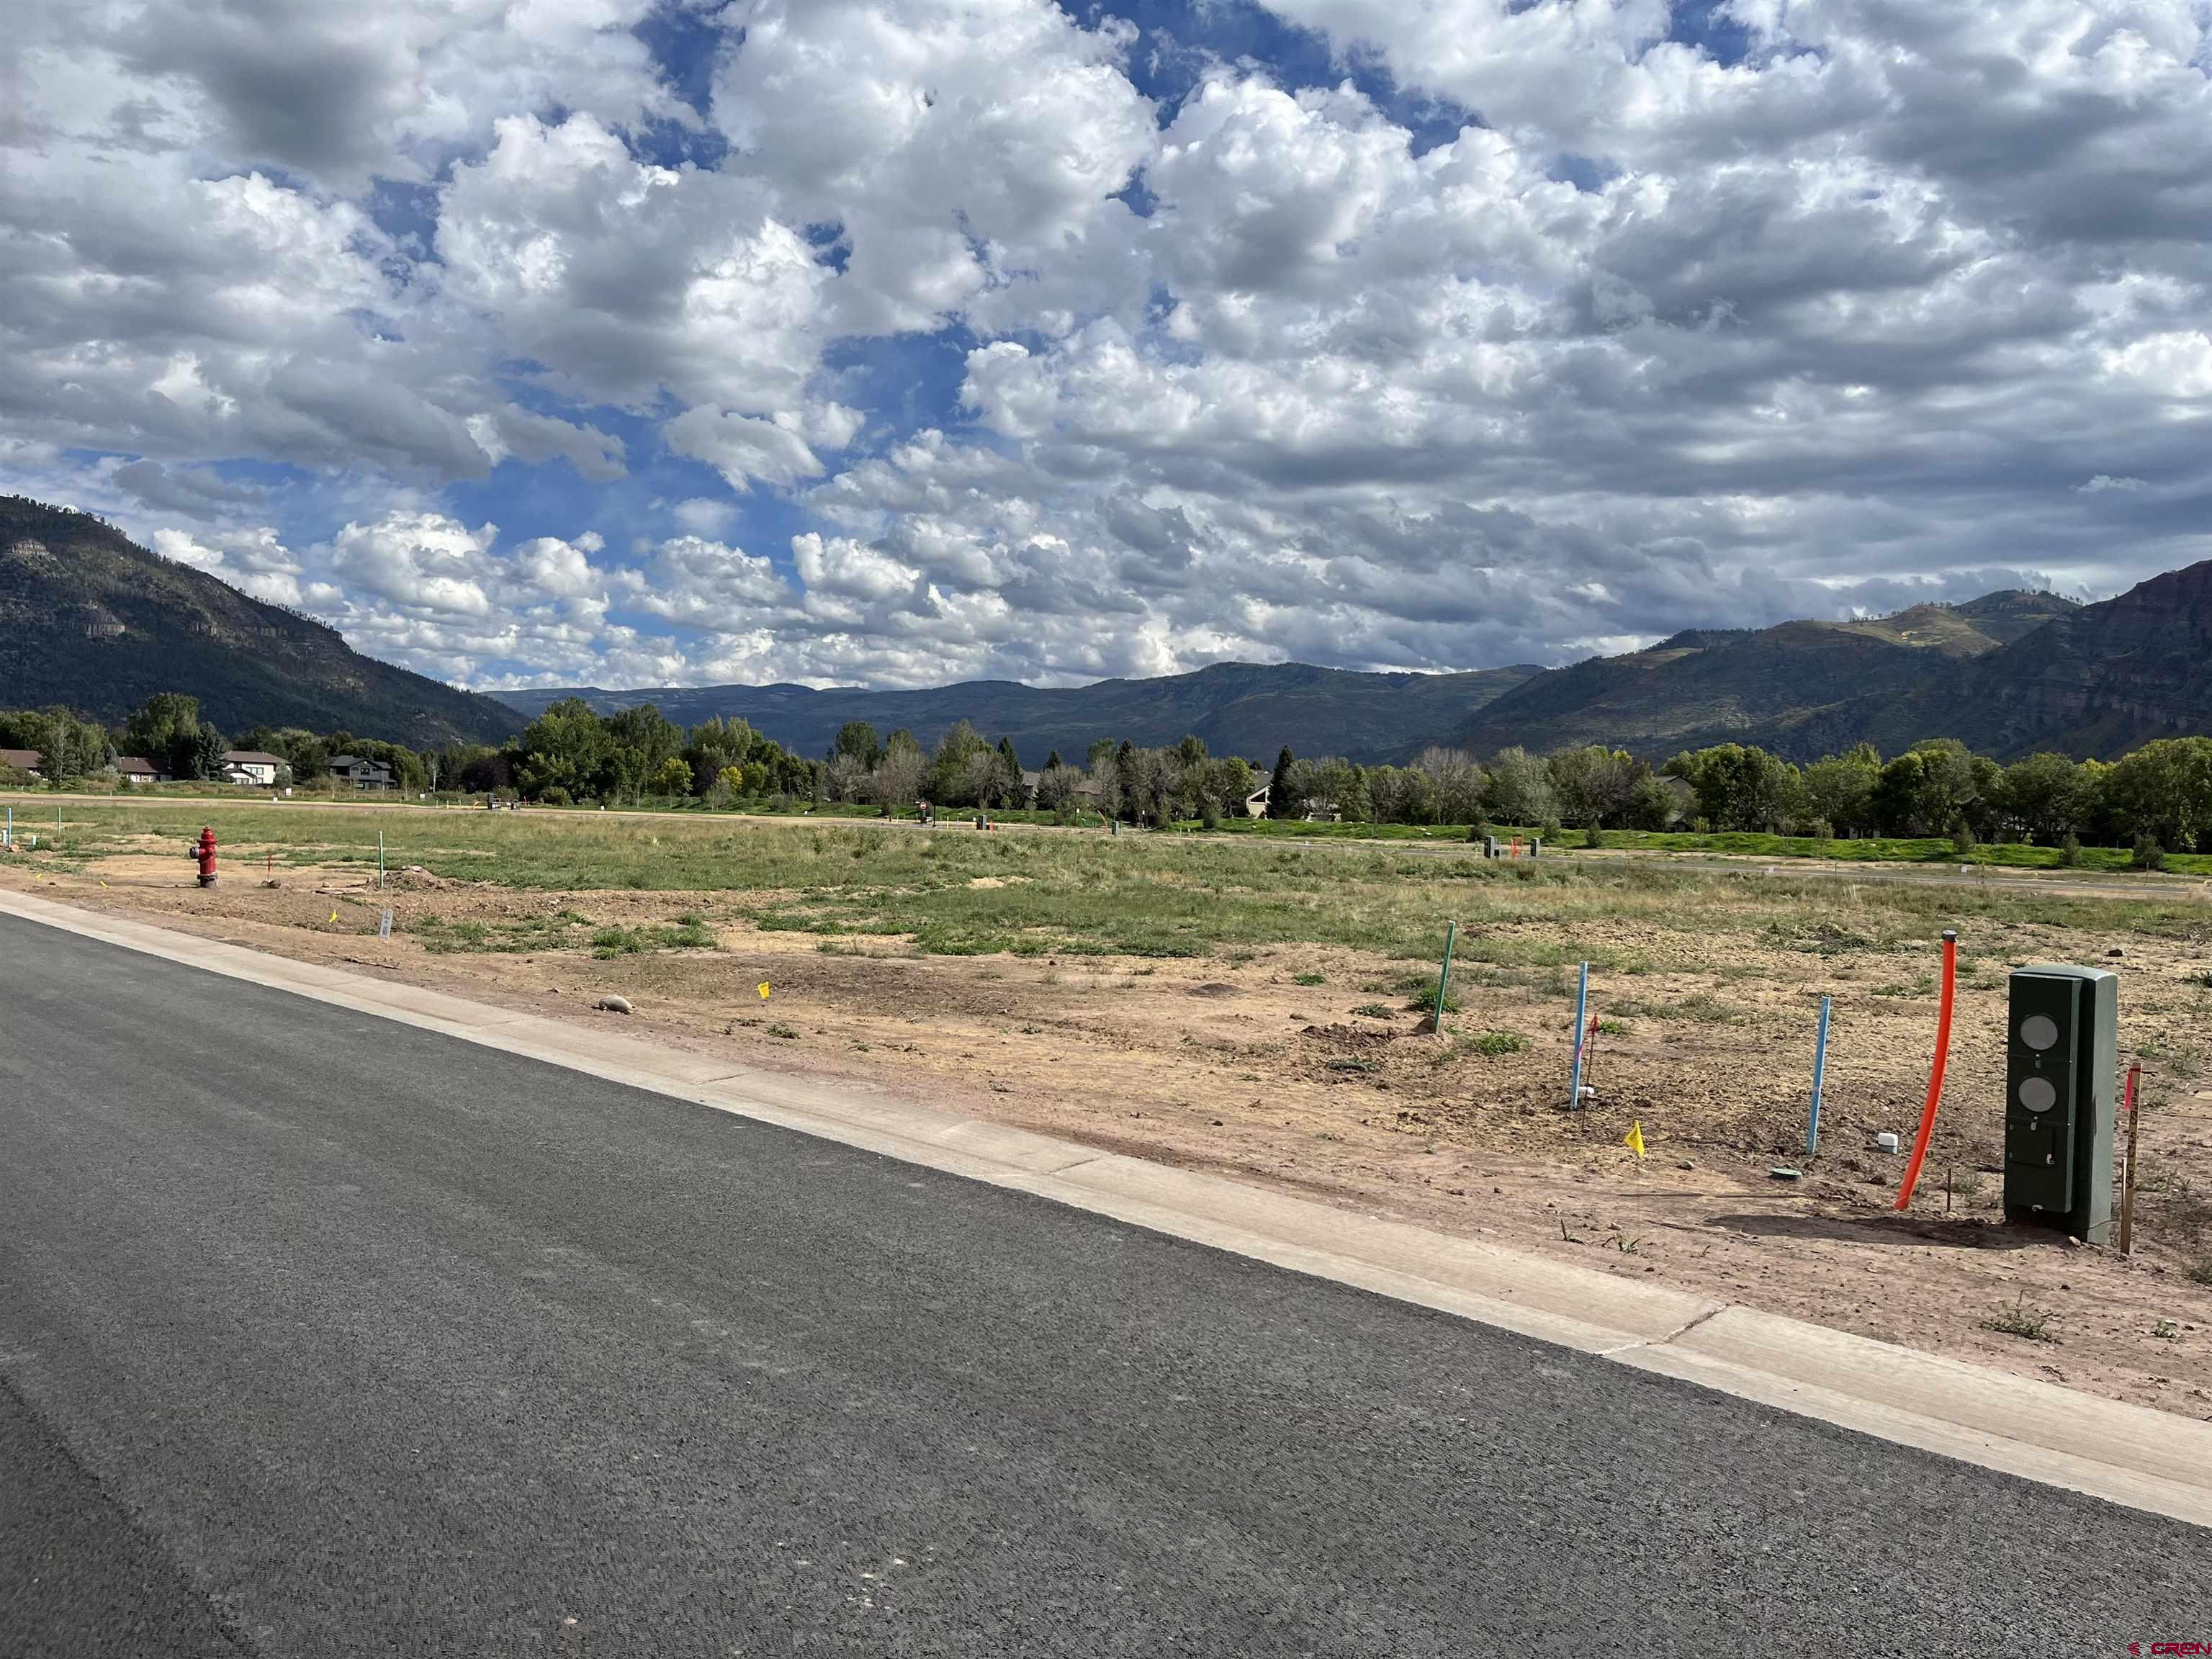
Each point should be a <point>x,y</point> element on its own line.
<point>1935,1076</point>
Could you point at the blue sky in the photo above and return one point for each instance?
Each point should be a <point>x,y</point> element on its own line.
<point>892,342</point>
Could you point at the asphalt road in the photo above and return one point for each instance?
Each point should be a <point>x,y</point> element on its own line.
<point>324,1335</point>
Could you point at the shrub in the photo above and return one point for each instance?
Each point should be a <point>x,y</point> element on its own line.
<point>2069,850</point>
<point>1550,830</point>
<point>1962,838</point>
<point>556,796</point>
<point>2020,1319</point>
<point>2149,854</point>
<point>1419,990</point>
<point>1500,1042</point>
<point>1594,836</point>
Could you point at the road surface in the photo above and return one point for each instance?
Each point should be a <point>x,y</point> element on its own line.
<point>323,1335</point>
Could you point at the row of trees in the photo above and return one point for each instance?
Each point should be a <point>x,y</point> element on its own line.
<point>2162,793</point>
<point>966,770</point>
<point>572,753</point>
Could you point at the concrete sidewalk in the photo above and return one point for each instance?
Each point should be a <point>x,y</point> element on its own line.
<point>2148,1460</point>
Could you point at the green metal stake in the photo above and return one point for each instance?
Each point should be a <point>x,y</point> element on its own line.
<point>1443,979</point>
<point>379,860</point>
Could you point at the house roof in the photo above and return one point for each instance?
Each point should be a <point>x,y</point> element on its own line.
<point>23,760</point>
<point>137,765</point>
<point>254,758</point>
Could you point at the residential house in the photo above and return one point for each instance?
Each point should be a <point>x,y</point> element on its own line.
<point>352,770</point>
<point>134,769</point>
<point>252,766</point>
<point>21,760</point>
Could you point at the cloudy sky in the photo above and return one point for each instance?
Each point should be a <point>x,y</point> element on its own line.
<point>893,342</point>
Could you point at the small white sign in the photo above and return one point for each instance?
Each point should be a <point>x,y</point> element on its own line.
<point>384,926</point>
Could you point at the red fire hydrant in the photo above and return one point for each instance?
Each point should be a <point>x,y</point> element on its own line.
<point>203,851</point>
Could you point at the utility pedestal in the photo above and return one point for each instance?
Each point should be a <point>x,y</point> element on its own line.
<point>2062,1049</point>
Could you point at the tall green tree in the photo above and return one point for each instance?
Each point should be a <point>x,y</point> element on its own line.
<point>1281,802</point>
<point>712,747</point>
<point>1519,789</point>
<point>1007,781</point>
<point>1740,787</point>
<point>2163,791</point>
<point>2042,797</point>
<point>857,740</point>
<point>640,743</point>
<point>1839,788</point>
<point>166,732</point>
<point>954,779</point>
<point>562,749</point>
<point>1595,785</point>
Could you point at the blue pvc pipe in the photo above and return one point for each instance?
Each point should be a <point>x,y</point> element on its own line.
<point>1820,1076</point>
<point>1581,1016</point>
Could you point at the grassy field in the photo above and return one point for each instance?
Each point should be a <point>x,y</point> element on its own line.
<point>956,892</point>
<point>1879,850</point>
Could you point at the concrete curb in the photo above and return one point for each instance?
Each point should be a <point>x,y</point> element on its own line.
<point>2128,1455</point>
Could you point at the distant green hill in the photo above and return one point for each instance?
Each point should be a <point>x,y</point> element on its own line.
<point>1776,685</point>
<point>91,620</point>
<point>2094,680</point>
<point>1238,708</point>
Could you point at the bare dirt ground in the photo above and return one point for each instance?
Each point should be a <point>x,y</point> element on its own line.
<point>1301,1067</point>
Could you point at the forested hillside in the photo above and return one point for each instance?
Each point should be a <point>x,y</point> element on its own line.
<point>93,622</point>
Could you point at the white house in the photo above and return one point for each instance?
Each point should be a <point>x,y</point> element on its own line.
<point>252,766</point>
<point>136,769</point>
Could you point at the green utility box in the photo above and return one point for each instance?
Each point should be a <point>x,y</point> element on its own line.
<point>2063,1057</point>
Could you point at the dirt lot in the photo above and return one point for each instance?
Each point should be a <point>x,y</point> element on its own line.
<point>1302,1067</point>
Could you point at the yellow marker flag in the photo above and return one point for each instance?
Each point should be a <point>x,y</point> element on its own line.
<point>763,990</point>
<point>1635,1137</point>
<point>334,915</point>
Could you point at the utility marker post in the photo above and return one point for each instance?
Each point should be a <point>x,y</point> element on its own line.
<point>1820,1076</point>
<point>1443,980</point>
<point>2128,1188</point>
<point>1582,1013</point>
<point>379,860</point>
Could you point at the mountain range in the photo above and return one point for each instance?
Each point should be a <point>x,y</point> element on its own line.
<point>90,620</point>
<point>1785,687</point>
<point>1237,708</point>
<point>2010,672</point>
